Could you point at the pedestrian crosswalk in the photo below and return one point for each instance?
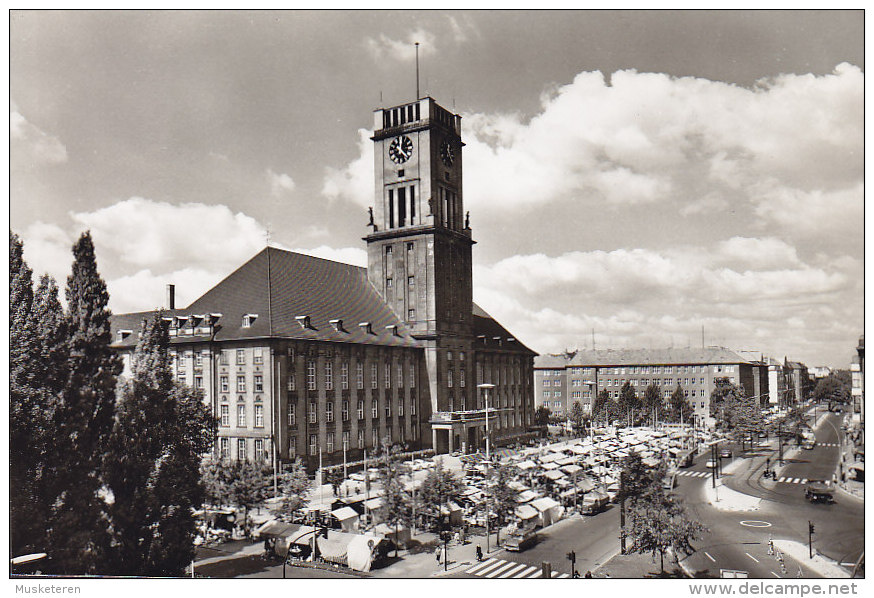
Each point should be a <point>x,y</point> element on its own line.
<point>786,480</point>
<point>500,569</point>
<point>827,444</point>
<point>694,474</point>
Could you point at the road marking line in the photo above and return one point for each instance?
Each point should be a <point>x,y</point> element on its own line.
<point>528,572</point>
<point>501,569</point>
<point>476,568</point>
<point>536,573</point>
<point>782,479</point>
<point>775,575</point>
<point>804,481</point>
<point>709,557</point>
<point>751,556</point>
<point>563,576</point>
<point>513,570</point>
<point>491,567</point>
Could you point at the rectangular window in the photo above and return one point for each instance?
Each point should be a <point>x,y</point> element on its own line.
<point>344,375</point>
<point>359,375</point>
<point>374,409</point>
<point>374,376</point>
<point>391,209</point>
<point>292,446</point>
<point>259,383</point>
<point>345,410</point>
<point>400,407</point>
<point>314,444</point>
<point>360,409</point>
<point>223,358</point>
<point>224,384</point>
<point>259,449</point>
<point>241,449</point>
<point>412,375</point>
<point>412,208</point>
<point>241,384</point>
<point>461,378</point>
<point>198,382</point>
<point>226,417</point>
<point>329,411</point>
<point>259,356</point>
<point>387,408</point>
<point>329,445</point>
<point>413,406</point>
<point>402,206</point>
<point>400,375</point>
<point>313,413</point>
<point>311,374</point>
<point>345,440</point>
<point>241,357</point>
<point>329,375</point>
<point>259,416</point>
<point>449,378</point>
<point>374,438</point>
<point>292,414</point>
<point>225,448</point>
<point>198,359</point>
<point>290,383</point>
<point>361,439</point>
<point>241,416</point>
<point>388,375</point>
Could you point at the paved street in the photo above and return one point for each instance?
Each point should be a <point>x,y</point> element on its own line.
<point>740,540</point>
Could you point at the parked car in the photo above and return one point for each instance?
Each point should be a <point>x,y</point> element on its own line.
<point>725,453</point>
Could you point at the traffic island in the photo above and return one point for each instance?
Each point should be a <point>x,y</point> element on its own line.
<point>821,565</point>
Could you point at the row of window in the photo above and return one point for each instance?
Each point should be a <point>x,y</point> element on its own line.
<point>641,369</point>
<point>313,413</point>
<point>242,420</point>
<point>258,445</point>
<point>181,359</point>
<point>345,441</point>
<point>328,376</point>
<point>643,382</point>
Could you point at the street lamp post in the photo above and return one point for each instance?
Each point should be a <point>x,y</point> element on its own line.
<point>486,388</point>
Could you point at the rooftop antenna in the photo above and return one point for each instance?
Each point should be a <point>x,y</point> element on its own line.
<point>702,336</point>
<point>417,70</point>
<point>593,339</point>
<point>380,97</point>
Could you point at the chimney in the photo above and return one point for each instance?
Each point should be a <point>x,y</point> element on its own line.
<point>171,296</point>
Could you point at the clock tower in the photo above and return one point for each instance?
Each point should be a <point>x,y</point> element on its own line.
<point>419,247</point>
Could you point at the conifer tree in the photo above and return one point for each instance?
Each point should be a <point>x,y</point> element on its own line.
<point>83,421</point>
<point>161,430</point>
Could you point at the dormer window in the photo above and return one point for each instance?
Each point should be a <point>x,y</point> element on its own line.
<point>337,325</point>
<point>393,329</point>
<point>304,321</point>
<point>249,319</point>
<point>365,327</point>
<point>123,334</point>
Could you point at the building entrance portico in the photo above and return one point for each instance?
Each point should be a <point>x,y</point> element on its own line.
<point>459,430</point>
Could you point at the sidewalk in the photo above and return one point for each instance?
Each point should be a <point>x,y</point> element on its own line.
<point>801,553</point>
<point>419,560</point>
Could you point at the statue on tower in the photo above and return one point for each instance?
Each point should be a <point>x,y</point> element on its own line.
<point>467,220</point>
<point>370,213</point>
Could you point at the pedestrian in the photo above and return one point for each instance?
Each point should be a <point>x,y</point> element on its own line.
<point>479,553</point>
<point>588,575</point>
<point>437,553</point>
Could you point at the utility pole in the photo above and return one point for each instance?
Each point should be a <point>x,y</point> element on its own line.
<point>622,513</point>
<point>713,460</point>
<point>485,388</point>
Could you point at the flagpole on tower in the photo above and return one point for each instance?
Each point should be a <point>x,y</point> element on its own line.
<point>417,70</point>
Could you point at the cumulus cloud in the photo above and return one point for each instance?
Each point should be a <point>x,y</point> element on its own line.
<point>648,139</point>
<point>354,182</point>
<point>403,50</point>
<point>743,290</point>
<point>30,145</point>
<point>280,183</point>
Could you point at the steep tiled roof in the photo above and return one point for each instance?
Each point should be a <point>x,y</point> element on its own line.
<point>486,326</point>
<point>302,285</point>
<point>609,357</point>
<point>299,285</point>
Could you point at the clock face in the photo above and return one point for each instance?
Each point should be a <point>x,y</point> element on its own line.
<point>401,149</point>
<point>446,153</point>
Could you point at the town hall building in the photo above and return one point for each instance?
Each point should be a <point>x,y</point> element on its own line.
<point>304,357</point>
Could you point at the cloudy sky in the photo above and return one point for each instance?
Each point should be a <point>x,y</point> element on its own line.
<point>637,174</point>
